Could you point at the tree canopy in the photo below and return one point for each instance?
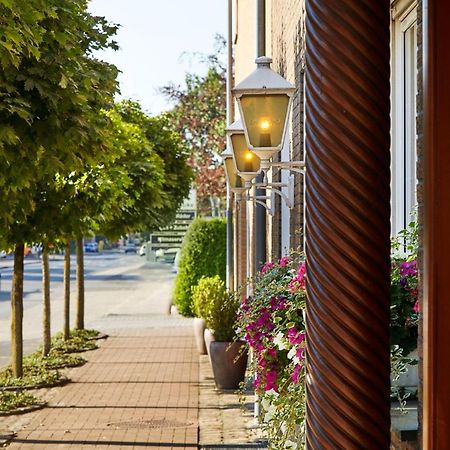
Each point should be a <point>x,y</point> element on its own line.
<point>52,90</point>
<point>199,115</point>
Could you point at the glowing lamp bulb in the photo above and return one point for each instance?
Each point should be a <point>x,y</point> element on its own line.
<point>265,124</point>
<point>248,164</point>
<point>264,136</point>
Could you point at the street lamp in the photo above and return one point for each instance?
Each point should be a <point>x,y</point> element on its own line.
<point>264,99</point>
<point>235,182</point>
<point>246,161</point>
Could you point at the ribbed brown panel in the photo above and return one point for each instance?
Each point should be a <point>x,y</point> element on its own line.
<point>348,212</point>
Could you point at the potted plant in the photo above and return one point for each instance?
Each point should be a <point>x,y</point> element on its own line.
<point>201,295</point>
<point>228,355</point>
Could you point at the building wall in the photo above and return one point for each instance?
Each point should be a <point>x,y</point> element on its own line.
<point>288,33</point>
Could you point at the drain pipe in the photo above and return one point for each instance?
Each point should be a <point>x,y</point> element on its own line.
<point>260,211</point>
<point>230,117</point>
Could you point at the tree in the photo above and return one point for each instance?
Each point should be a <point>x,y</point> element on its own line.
<point>139,185</point>
<point>51,92</point>
<point>199,116</point>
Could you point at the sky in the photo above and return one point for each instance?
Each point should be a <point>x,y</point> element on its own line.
<point>156,38</point>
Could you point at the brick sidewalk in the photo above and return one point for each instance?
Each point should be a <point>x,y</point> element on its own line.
<point>140,389</point>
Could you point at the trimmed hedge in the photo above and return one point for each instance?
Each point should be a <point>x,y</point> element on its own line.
<point>203,254</point>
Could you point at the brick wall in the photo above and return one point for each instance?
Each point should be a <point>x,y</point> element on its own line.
<point>288,31</point>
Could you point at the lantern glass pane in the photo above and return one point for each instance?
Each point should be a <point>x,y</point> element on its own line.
<point>246,160</point>
<point>234,180</point>
<point>265,117</point>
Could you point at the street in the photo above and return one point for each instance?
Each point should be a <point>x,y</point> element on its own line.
<point>117,286</point>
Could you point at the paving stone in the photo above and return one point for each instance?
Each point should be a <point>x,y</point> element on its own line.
<point>135,391</point>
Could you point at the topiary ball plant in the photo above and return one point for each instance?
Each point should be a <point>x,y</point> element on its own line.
<point>203,254</point>
<point>205,294</point>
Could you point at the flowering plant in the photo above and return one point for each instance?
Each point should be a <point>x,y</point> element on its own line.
<point>404,290</point>
<point>271,320</point>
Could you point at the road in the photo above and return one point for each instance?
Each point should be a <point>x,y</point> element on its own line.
<point>117,287</point>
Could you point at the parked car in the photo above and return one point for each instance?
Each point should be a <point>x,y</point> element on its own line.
<point>170,254</point>
<point>91,247</point>
<point>130,248</point>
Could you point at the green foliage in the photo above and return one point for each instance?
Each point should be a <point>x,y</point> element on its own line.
<point>76,343</point>
<point>203,254</point>
<point>404,290</point>
<point>51,92</point>
<point>205,295</point>
<point>32,376</point>
<point>54,360</point>
<point>216,306</point>
<point>223,316</point>
<point>149,180</point>
<point>199,116</point>
<point>13,400</point>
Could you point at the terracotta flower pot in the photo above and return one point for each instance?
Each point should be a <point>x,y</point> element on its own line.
<point>229,363</point>
<point>208,338</point>
<point>199,329</point>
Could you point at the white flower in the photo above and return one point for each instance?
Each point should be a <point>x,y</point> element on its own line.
<point>272,393</point>
<point>270,413</point>
<point>278,340</point>
<point>265,403</point>
<point>292,353</point>
<point>291,445</point>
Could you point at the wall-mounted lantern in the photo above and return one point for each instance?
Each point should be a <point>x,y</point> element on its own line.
<point>264,100</point>
<point>236,183</point>
<point>247,162</point>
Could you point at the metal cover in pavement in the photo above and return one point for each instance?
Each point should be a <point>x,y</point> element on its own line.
<point>153,423</point>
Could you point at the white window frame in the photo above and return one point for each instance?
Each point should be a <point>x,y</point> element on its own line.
<point>404,91</point>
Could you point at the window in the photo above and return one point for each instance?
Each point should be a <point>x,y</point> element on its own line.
<point>404,91</point>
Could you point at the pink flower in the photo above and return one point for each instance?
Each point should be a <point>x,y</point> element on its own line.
<point>416,307</point>
<point>277,303</point>
<point>270,387</point>
<point>272,353</point>
<point>284,261</point>
<point>271,376</point>
<point>267,266</point>
<point>295,337</point>
<point>408,268</point>
<point>298,282</point>
<point>295,374</point>
<point>300,353</point>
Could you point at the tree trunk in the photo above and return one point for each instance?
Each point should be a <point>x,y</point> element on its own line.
<point>46,333</point>
<point>17,313</point>
<point>80,285</point>
<point>67,291</point>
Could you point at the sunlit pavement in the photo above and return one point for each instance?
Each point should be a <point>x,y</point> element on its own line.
<point>111,281</point>
<point>141,387</point>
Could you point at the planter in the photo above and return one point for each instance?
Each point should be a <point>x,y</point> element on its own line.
<point>208,337</point>
<point>199,329</point>
<point>228,367</point>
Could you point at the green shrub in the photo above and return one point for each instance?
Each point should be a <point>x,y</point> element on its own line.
<point>223,316</point>
<point>203,254</point>
<point>207,293</point>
